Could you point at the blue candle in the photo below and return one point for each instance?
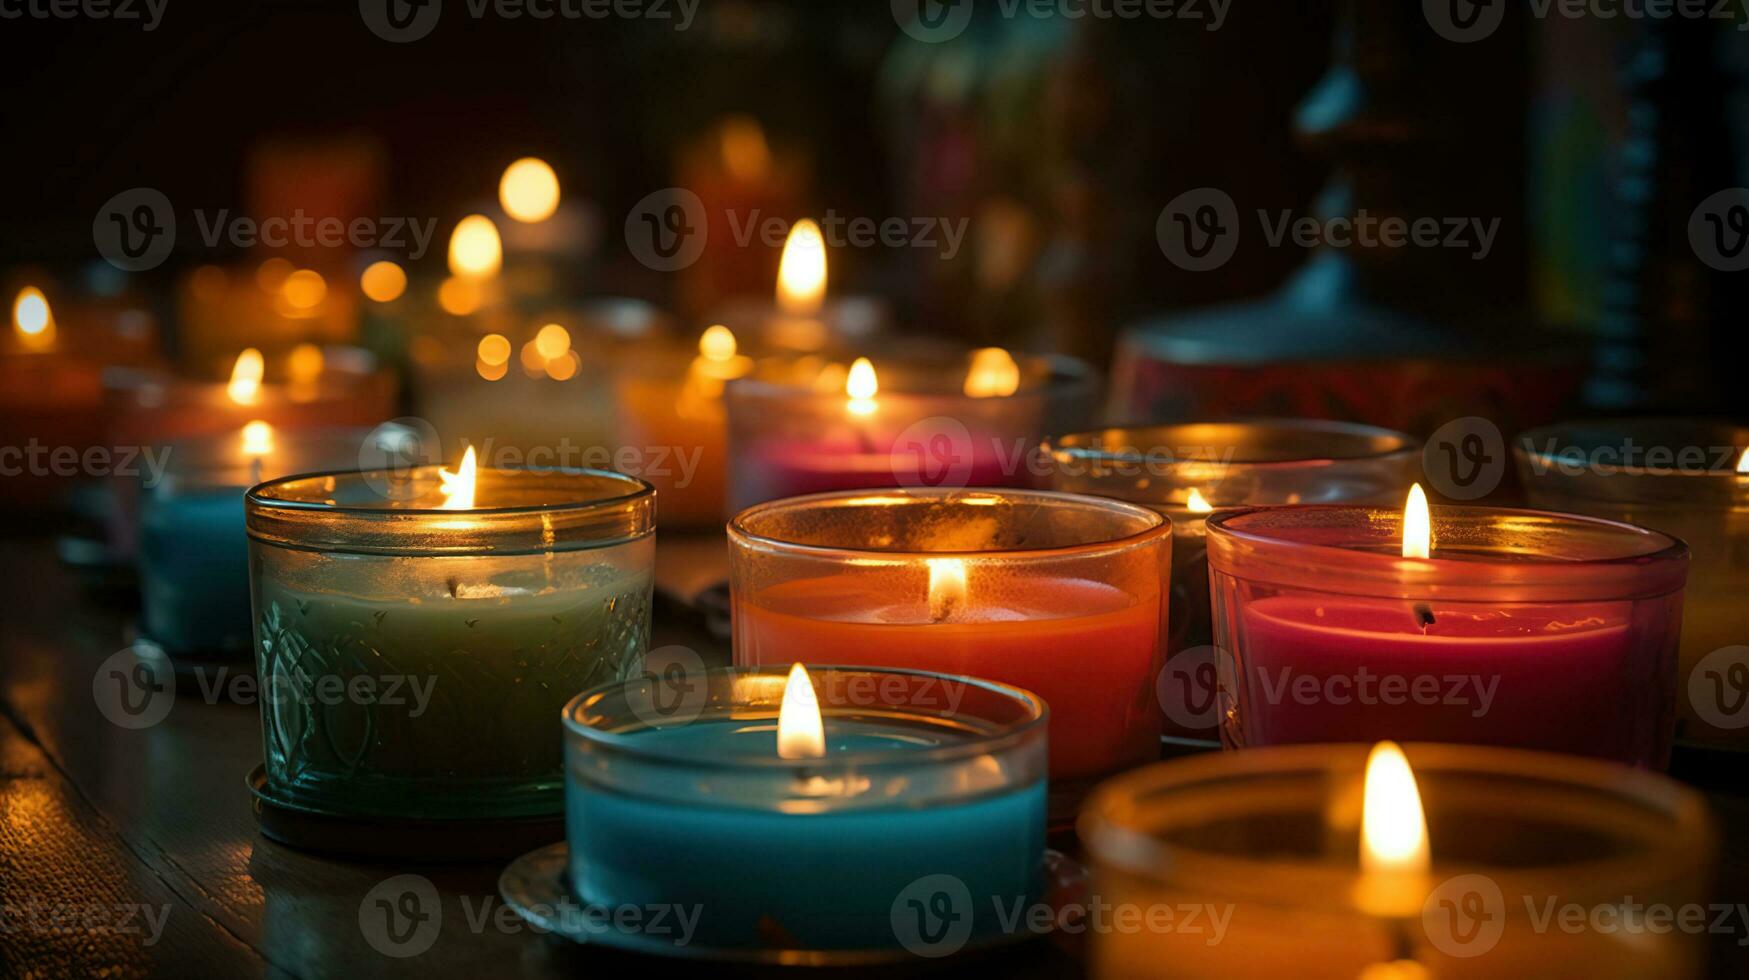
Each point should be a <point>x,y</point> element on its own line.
<point>820,853</point>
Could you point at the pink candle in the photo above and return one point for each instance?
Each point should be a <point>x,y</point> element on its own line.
<point>1499,627</point>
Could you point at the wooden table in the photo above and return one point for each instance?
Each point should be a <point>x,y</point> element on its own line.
<point>101,825</point>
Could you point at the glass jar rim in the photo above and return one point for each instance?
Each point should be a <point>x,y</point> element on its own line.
<point>1109,829</point>
<point>1657,567</point>
<point>1034,722</point>
<point>1154,525</point>
<point>1651,430</point>
<point>1384,444</point>
<point>289,513</point>
<point>1060,373</point>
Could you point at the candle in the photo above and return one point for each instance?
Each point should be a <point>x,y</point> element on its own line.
<point>948,421</point>
<point>486,598</point>
<point>1187,471</point>
<point>792,811</point>
<point>1688,478</point>
<point>48,398</point>
<point>1447,861</point>
<point>803,318</point>
<point>193,550</point>
<point>671,404</point>
<point>1059,594</point>
<point>1486,626</point>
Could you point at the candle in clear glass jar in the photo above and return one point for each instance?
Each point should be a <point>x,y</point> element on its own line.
<point>484,605</point>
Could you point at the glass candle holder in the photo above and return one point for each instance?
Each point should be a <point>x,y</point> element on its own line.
<point>413,659</point>
<point>1189,470</point>
<point>820,432</point>
<point>1265,846</point>
<point>193,549</point>
<point>1681,477</point>
<point>1524,629</point>
<point>1059,594</point>
<point>676,797</point>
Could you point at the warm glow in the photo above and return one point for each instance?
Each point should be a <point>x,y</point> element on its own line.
<point>31,318</point>
<point>492,372</point>
<point>746,155</point>
<point>304,289</point>
<point>304,364</point>
<point>947,588</point>
<point>862,386</point>
<point>1743,462</point>
<point>1393,833</point>
<point>458,487</point>
<point>1196,504</point>
<point>533,364</point>
<point>272,274</point>
<point>552,341</point>
<point>801,734</point>
<point>245,385</point>
<point>993,374</point>
<point>717,343</point>
<point>458,296</point>
<point>801,275</point>
<point>1417,525</point>
<point>494,349</point>
<point>475,249</point>
<point>564,367</point>
<point>383,281</point>
<point>257,439</point>
<point>529,190</point>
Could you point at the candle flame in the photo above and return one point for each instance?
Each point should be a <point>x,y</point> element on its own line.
<point>717,343</point>
<point>993,374</point>
<point>245,384</point>
<point>32,319</point>
<point>304,365</point>
<point>862,386</point>
<point>529,190</point>
<point>801,274</point>
<point>257,438</point>
<point>1196,504</point>
<point>801,734</point>
<point>475,250</point>
<point>458,487</point>
<point>1417,525</point>
<point>1743,462</point>
<point>746,154</point>
<point>947,588</point>
<point>1393,838</point>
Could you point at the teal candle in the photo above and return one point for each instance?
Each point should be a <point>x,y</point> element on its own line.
<point>816,855</point>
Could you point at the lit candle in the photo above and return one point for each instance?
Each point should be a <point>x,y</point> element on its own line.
<point>801,316</point>
<point>499,593</point>
<point>1396,863</point>
<point>1015,586</point>
<point>792,810</point>
<point>1500,627</point>
<point>49,397</point>
<point>1187,471</point>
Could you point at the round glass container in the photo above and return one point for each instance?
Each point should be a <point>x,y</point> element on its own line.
<point>413,659</point>
<point>797,430</point>
<point>1538,864</point>
<point>1524,629</point>
<point>1681,477</point>
<point>1189,470</point>
<point>1056,593</point>
<point>930,784</point>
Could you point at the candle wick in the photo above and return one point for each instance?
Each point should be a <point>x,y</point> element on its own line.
<point>1424,615</point>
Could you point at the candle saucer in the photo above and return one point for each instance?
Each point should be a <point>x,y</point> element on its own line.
<point>535,886</point>
<point>445,841</point>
